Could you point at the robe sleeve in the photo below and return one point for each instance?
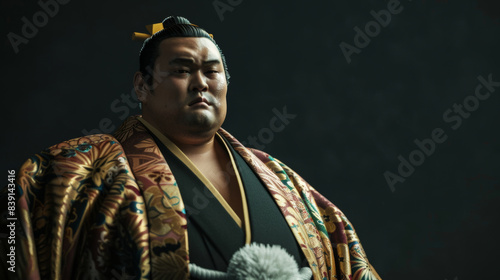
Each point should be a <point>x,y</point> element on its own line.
<point>78,215</point>
<point>348,253</point>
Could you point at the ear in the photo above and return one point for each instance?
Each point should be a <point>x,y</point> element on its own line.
<point>142,90</point>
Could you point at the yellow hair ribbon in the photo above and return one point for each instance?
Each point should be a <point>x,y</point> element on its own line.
<point>153,28</point>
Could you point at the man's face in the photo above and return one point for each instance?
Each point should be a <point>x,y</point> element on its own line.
<point>188,93</point>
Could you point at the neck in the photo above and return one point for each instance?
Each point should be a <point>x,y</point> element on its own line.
<point>195,147</point>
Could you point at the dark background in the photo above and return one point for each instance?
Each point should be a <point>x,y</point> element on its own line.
<point>352,119</point>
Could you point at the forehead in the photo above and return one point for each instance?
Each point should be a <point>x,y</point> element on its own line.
<point>200,49</point>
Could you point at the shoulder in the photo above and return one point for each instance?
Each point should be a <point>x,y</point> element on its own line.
<point>82,144</point>
<point>261,161</point>
<point>245,151</point>
<point>73,154</point>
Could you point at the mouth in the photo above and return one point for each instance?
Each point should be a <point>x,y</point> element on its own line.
<point>199,100</point>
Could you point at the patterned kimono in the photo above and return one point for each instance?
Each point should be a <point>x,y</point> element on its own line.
<point>109,207</point>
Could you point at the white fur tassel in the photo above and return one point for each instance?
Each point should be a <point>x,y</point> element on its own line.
<point>257,262</point>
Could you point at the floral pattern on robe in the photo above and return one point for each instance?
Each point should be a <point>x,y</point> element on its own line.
<point>109,207</point>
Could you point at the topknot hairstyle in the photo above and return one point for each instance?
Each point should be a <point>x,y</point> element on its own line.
<point>173,26</point>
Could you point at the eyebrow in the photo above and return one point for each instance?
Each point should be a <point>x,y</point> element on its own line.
<point>190,61</point>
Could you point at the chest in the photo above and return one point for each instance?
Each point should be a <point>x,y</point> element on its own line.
<point>223,178</point>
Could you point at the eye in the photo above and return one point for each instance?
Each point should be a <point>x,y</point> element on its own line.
<point>208,72</point>
<point>181,71</point>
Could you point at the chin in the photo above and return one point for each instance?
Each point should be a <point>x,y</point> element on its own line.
<point>202,122</point>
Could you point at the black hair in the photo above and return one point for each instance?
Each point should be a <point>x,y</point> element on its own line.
<point>173,26</point>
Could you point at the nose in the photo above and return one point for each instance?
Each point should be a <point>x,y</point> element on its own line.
<point>198,82</point>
